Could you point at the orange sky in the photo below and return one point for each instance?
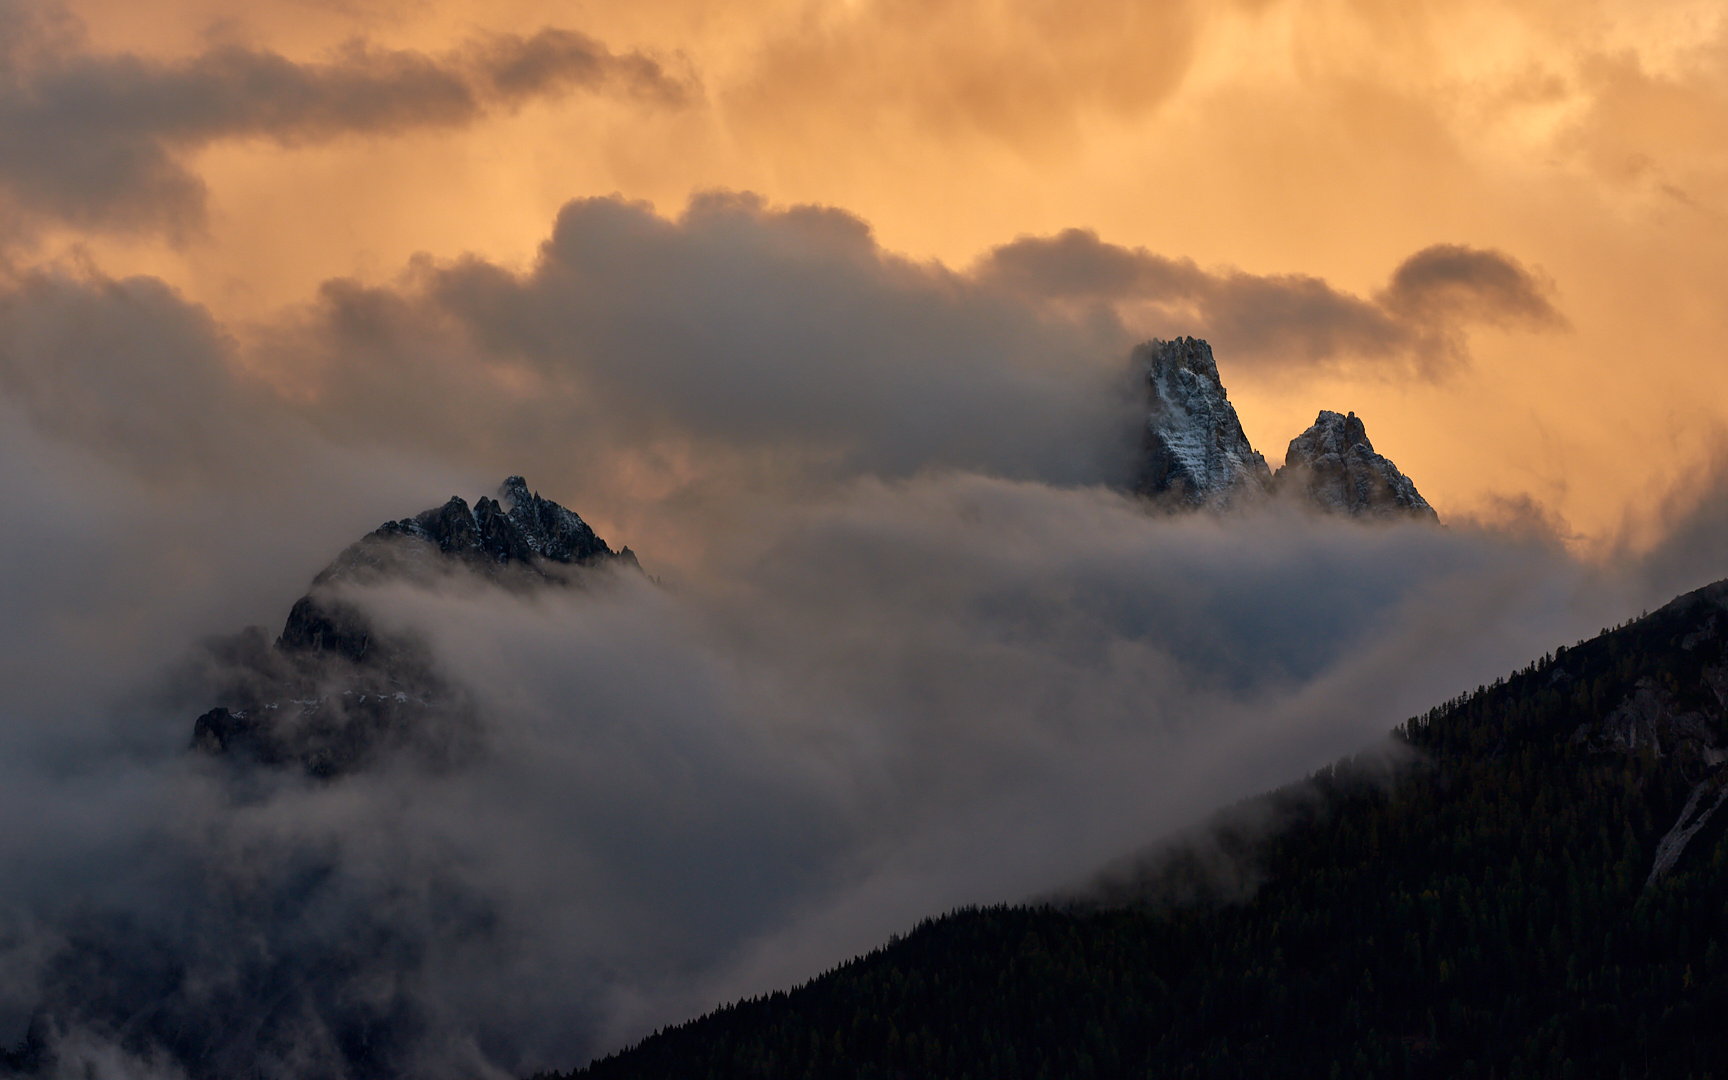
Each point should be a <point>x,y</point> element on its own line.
<point>1321,137</point>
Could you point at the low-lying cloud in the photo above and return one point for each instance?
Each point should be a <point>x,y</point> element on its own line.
<point>908,647</point>
<point>875,705</point>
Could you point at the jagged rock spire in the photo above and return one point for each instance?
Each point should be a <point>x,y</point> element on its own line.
<point>547,529</point>
<point>1195,452</point>
<point>522,534</point>
<point>1335,464</point>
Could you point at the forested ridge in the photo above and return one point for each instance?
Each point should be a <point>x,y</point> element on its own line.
<point>1486,909</point>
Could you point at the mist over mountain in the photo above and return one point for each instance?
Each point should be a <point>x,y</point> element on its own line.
<point>1532,883</point>
<point>332,693</point>
<point>1040,425</point>
<point>914,642</point>
<point>670,796</point>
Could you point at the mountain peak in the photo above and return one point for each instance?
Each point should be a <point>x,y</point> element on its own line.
<point>1336,465</point>
<point>514,490</point>
<point>518,533</point>
<point>1195,453</point>
<point>333,692</point>
<point>1194,448</point>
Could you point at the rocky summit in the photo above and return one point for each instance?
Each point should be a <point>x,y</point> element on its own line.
<point>332,693</point>
<point>1195,452</point>
<point>518,537</point>
<point>1336,466</point>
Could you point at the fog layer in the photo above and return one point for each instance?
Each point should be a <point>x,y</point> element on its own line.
<point>901,645</point>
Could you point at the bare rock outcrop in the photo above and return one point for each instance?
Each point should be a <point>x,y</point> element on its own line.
<point>1335,465</point>
<point>1195,452</point>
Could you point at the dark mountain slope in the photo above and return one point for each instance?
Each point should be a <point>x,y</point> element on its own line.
<point>1493,910</point>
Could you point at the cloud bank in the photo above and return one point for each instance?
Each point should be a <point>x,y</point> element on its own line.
<point>909,648</point>
<point>790,334</point>
<point>874,705</point>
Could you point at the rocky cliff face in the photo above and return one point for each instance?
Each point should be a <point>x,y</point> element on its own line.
<point>1336,466</point>
<point>1195,452</point>
<point>331,693</point>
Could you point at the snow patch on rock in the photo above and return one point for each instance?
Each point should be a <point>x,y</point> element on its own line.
<point>1195,452</point>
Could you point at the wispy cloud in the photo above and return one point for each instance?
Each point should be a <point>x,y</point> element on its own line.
<point>101,140</point>
<point>1291,321</point>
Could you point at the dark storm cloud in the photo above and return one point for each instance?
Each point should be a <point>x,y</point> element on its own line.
<point>1450,281</point>
<point>743,328</point>
<point>98,140</point>
<point>1434,296</point>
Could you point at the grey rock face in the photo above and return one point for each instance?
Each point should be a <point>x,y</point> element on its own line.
<point>332,694</point>
<point>1195,452</point>
<point>1650,718</point>
<point>1335,465</point>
